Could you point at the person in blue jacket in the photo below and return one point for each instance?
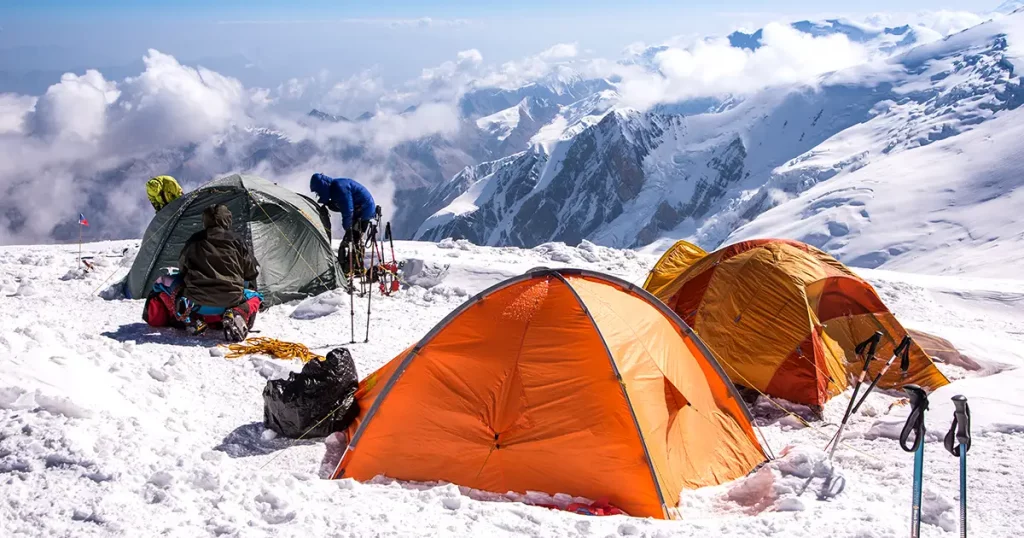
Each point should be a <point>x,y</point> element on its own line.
<point>357,208</point>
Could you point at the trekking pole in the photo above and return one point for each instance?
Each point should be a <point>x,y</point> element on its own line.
<point>373,253</point>
<point>351,284</point>
<point>902,351</point>
<point>915,425</point>
<point>869,345</point>
<point>391,285</point>
<point>960,431</point>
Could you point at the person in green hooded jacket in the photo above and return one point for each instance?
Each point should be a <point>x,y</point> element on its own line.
<point>162,190</point>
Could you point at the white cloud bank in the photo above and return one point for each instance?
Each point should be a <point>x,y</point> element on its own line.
<point>60,151</point>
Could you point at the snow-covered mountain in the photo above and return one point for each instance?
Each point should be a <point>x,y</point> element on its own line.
<point>510,130</point>
<point>883,39</point>
<point>632,178</point>
<point>563,88</point>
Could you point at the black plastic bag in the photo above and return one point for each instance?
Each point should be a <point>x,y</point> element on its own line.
<point>316,402</point>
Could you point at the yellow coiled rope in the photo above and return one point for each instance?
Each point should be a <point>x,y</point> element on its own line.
<point>278,349</point>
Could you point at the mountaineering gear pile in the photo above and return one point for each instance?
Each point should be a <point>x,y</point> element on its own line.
<point>558,381</point>
<point>958,442</point>
<point>784,318</point>
<point>167,307</point>
<point>282,230</point>
<point>215,263</point>
<point>315,403</point>
<point>915,426</point>
<point>162,190</point>
<point>345,196</point>
<point>866,348</point>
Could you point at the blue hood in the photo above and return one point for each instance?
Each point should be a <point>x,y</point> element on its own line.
<point>321,186</point>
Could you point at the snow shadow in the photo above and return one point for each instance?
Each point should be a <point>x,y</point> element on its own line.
<point>248,440</point>
<point>142,333</point>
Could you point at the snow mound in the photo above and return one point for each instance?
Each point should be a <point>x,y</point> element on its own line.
<point>26,289</point>
<point>321,305</point>
<point>585,252</point>
<point>460,244</point>
<point>418,272</point>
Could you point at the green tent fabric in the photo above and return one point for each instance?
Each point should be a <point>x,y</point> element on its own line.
<point>284,229</point>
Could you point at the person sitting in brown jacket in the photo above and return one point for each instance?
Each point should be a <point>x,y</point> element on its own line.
<point>216,266</point>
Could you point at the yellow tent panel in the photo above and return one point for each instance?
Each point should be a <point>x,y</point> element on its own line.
<point>673,262</point>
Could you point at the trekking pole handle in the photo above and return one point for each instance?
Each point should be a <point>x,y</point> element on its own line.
<point>960,429</point>
<point>961,412</point>
<point>877,378</point>
<point>871,344</point>
<point>915,420</point>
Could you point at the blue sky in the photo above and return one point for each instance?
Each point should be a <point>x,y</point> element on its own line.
<point>264,42</point>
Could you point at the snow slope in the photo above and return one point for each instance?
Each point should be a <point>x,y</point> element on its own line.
<point>110,428</point>
<point>938,167</point>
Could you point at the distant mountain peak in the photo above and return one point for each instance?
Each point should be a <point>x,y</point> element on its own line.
<point>324,116</point>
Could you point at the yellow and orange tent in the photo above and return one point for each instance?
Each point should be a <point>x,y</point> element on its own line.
<point>784,318</point>
<point>559,381</point>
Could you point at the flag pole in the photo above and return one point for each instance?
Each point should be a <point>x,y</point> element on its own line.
<point>79,242</point>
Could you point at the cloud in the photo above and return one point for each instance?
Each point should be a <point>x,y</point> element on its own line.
<point>471,56</point>
<point>13,109</point>
<point>560,51</point>
<point>76,107</point>
<point>711,67</point>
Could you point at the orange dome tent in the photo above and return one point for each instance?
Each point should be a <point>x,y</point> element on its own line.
<point>560,381</point>
<point>784,318</point>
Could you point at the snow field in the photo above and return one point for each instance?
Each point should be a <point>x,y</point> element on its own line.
<point>111,428</point>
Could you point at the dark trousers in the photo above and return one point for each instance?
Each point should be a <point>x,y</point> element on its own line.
<point>356,233</point>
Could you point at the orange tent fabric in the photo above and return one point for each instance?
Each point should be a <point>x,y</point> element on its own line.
<point>560,381</point>
<point>784,318</point>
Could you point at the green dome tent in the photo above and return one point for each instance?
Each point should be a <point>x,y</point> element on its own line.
<point>285,231</point>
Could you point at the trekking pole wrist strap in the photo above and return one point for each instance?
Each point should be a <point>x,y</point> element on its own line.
<point>915,421</point>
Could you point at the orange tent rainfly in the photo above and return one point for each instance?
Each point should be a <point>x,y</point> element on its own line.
<point>560,381</point>
<point>784,318</point>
